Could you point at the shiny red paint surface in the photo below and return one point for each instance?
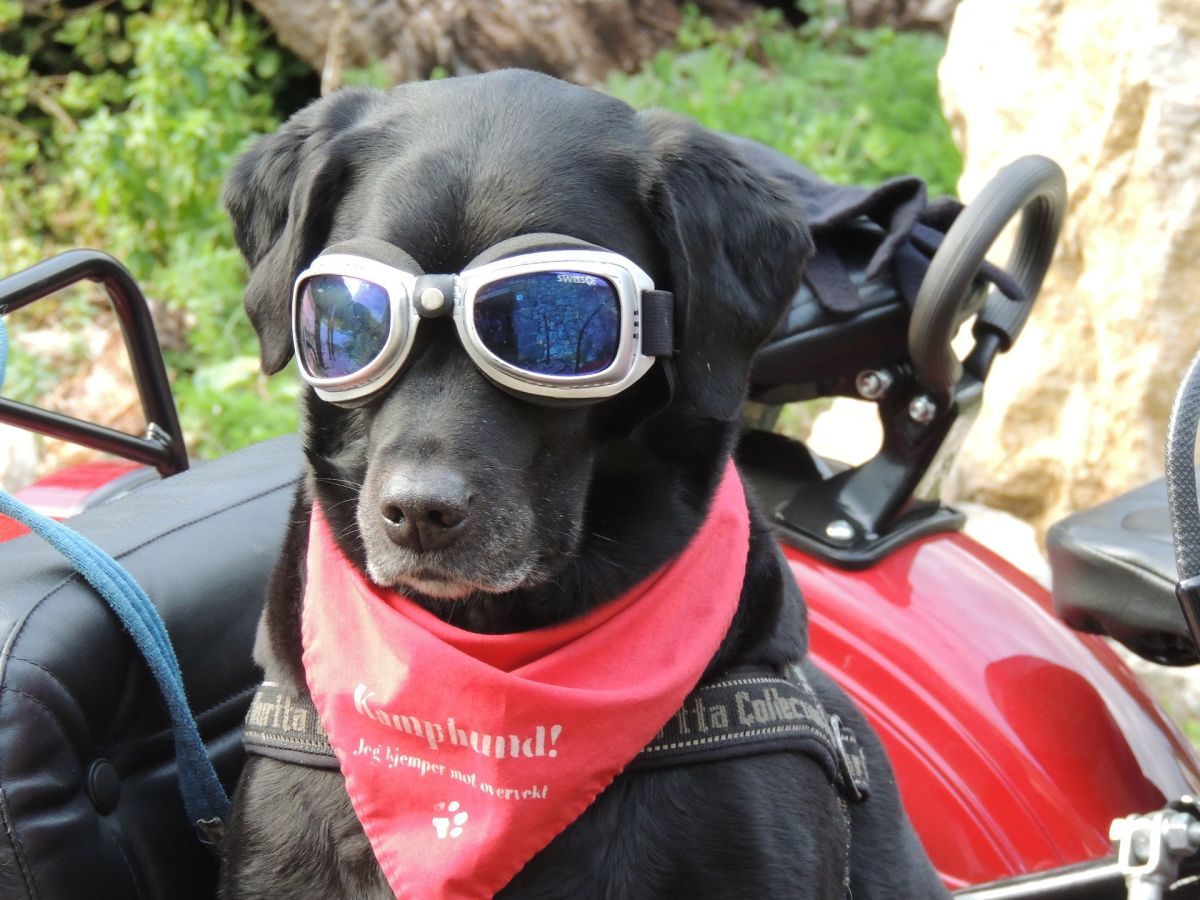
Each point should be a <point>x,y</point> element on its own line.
<point>65,493</point>
<point>1014,739</point>
<point>10,529</point>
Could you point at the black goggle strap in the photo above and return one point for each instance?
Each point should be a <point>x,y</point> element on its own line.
<point>530,243</point>
<point>658,323</point>
<point>380,251</point>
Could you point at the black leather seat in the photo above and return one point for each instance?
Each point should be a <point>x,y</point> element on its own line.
<point>1113,569</point>
<point>88,795</point>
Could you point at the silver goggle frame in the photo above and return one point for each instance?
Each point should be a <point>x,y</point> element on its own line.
<point>627,367</point>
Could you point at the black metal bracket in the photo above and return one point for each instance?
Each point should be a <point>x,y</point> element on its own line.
<point>162,446</point>
<point>928,404</point>
<point>1188,592</point>
<point>860,514</point>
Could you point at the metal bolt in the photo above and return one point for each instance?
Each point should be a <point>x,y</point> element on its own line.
<point>922,409</point>
<point>432,299</point>
<point>873,384</point>
<point>1181,833</point>
<point>840,530</point>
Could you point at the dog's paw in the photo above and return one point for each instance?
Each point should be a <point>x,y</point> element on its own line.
<point>450,826</point>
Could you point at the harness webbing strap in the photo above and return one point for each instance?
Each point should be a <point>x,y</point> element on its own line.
<point>757,711</point>
<point>286,727</point>
<point>744,713</point>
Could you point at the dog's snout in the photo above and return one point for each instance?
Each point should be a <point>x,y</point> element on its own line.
<point>428,513</point>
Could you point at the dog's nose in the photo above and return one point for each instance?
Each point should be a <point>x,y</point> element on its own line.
<point>426,513</point>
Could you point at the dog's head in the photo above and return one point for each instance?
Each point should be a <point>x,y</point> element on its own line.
<point>442,484</point>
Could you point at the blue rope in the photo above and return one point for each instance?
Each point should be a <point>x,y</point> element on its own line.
<point>204,798</point>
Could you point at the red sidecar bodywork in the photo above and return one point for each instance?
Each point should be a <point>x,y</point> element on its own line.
<point>1015,740</point>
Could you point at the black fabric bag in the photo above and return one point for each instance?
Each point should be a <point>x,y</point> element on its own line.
<point>874,246</point>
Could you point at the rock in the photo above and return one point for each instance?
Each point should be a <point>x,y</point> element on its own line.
<point>901,14</point>
<point>1008,536</point>
<point>580,40</point>
<point>94,383</point>
<point>849,431</point>
<point>1077,412</point>
<point>18,458</point>
<point>100,389</point>
<point>1177,690</point>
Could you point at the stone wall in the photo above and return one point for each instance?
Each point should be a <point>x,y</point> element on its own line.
<point>1077,411</point>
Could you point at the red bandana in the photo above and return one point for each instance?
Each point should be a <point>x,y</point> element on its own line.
<point>465,754</point>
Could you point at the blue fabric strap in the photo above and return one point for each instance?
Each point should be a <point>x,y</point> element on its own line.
<point>204,798</point>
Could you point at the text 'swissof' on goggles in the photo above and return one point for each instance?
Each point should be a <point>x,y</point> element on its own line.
<point>576,322</point>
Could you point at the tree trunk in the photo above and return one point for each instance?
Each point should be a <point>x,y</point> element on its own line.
<point>901,14</point>
<point>580,40</point>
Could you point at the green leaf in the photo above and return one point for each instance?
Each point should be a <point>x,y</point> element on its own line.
<point>855,105</point>
<point>10,14</point>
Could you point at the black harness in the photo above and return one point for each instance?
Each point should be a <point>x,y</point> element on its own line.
<point>745,712</point>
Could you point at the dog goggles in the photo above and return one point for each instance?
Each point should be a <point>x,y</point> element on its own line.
<point>542,315</point>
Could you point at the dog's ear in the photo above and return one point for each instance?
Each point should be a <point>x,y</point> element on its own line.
<point>281,196</point>
<point>737,246</point>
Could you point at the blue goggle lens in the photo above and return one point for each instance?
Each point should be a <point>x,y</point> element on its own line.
<point>550,323</point>
<point>342,323</point>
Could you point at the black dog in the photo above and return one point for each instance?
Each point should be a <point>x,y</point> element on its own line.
<point>570,506</point>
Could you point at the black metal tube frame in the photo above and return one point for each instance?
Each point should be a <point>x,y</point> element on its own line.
<point>162,446</point>
<point>1098,880</point>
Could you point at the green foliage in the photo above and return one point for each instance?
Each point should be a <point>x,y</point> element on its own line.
<point>117,127</point>
<point>374,75</point>
<point>119,120</point>
<point>856,106</point>
<point>1191,728</point>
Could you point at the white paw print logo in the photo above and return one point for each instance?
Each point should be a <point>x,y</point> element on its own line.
<point>451,825</point>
